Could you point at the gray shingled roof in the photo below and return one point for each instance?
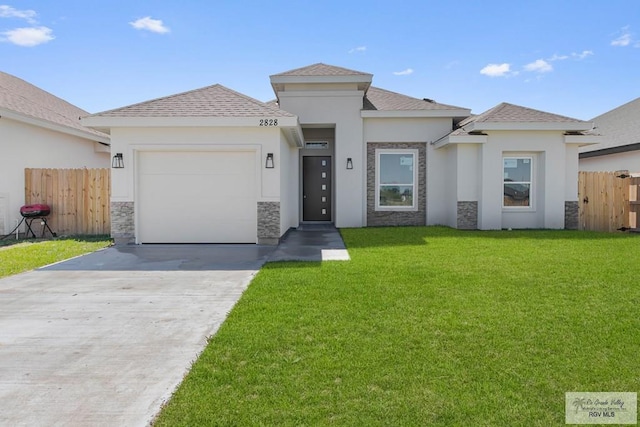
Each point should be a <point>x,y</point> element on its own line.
<point>28,100</point>
<point>511,113</point>
<point>385,100</point>
<point>321,69</point>
<point>618,127</point>
<point>210,101</point>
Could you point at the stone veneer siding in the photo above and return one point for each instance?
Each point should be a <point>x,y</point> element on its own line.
<point>383,218</point>
<point>122,222</point>
<point>268,223</point>
<point>467,215</point>
<point>571,220</point>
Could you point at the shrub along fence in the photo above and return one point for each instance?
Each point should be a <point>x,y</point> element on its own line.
<point>608,201</point>
<point>79,199</point>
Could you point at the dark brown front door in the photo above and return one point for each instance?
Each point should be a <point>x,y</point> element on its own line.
<point>316,188</point>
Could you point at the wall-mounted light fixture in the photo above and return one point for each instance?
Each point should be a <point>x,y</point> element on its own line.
<point>269,163</point>
<point>117,162</point>
<point>349,163</point>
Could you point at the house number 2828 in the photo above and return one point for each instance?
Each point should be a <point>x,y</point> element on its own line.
<point>268,122</point>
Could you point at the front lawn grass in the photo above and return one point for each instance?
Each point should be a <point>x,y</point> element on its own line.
<point>28,255</point>
<point>425,326</point>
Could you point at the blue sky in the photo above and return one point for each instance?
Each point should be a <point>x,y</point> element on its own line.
<point>576,58</point>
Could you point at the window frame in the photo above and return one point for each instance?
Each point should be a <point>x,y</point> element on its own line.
<point>531,182</point>
<point>415,153</point>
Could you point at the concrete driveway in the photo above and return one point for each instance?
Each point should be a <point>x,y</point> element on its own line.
<point>104,339</point>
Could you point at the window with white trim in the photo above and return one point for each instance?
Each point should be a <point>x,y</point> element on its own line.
<point>396,179</point>
<point>517,182</point>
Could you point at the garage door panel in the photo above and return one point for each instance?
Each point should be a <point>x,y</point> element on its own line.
<point>197,197</point>
<point>189,162</point>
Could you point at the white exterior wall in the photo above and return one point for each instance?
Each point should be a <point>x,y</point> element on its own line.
<point>440,190</point>
<point>551,172</point>
<point>289,199</point>
<point>260,140</point>
<point>571,172</point>
<point>460,165</point>
<point>468,172</point>
<point>424,129</point>
<point>29,146</point>
<point>438,169</point>
<point>612,162</point>
<point>468,175</point>
<point>342,109</point>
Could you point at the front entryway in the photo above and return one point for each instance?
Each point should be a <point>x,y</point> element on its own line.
<point>316,188</point>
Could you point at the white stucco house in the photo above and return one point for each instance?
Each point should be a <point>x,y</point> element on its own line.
<point>40,130</point>
<point>620,145</point>
<point>213,165</point>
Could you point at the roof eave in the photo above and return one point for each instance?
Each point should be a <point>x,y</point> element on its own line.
<point>595,151</point>
<point>557,126</point>
<point>460,139</point>
<point>294,136</point>
<point>102,122</point>
<point>582,139</point>
<point>414,113</point>
<point>356,78</point>
<point>362,80</point>
<point>54,127</point>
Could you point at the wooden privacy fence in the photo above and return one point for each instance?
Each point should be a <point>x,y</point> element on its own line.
<point>79,199</point>
<point>608,201</point>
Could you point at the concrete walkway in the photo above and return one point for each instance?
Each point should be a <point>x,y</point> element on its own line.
<point>104,339</point>
<point>312,242</point>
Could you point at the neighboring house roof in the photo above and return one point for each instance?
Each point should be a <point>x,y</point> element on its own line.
<point>620,130</point>
<point>507,116</point>
<point>385,100</point>
<point>321,69</point>
<point>23,101</point>
<point>210,101</point>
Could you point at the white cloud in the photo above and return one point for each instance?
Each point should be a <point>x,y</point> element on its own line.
<point>557,57</point>
<point>582,55</point>
<point>358,49</point>
<point>452,64</point>
<point>624,39</point>
<point>149,24</point>
<point>28,37</point>
<point>497,70</point>
<point>574,55</point>
<point>10,12</point>
<point>539,66</point>
<point>404,72</point>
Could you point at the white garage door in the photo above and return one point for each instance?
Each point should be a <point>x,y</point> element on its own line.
<point>196,197</point>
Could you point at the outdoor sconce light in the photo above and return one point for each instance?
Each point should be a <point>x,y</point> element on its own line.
<point>349,163</point>
<point>117,162</point>
<point>269,163</point>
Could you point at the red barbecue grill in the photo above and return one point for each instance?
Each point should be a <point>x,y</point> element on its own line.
<point>34,212</point>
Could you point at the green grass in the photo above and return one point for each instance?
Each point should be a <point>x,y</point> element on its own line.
<point>27,255</point>
<point>425,326</point>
